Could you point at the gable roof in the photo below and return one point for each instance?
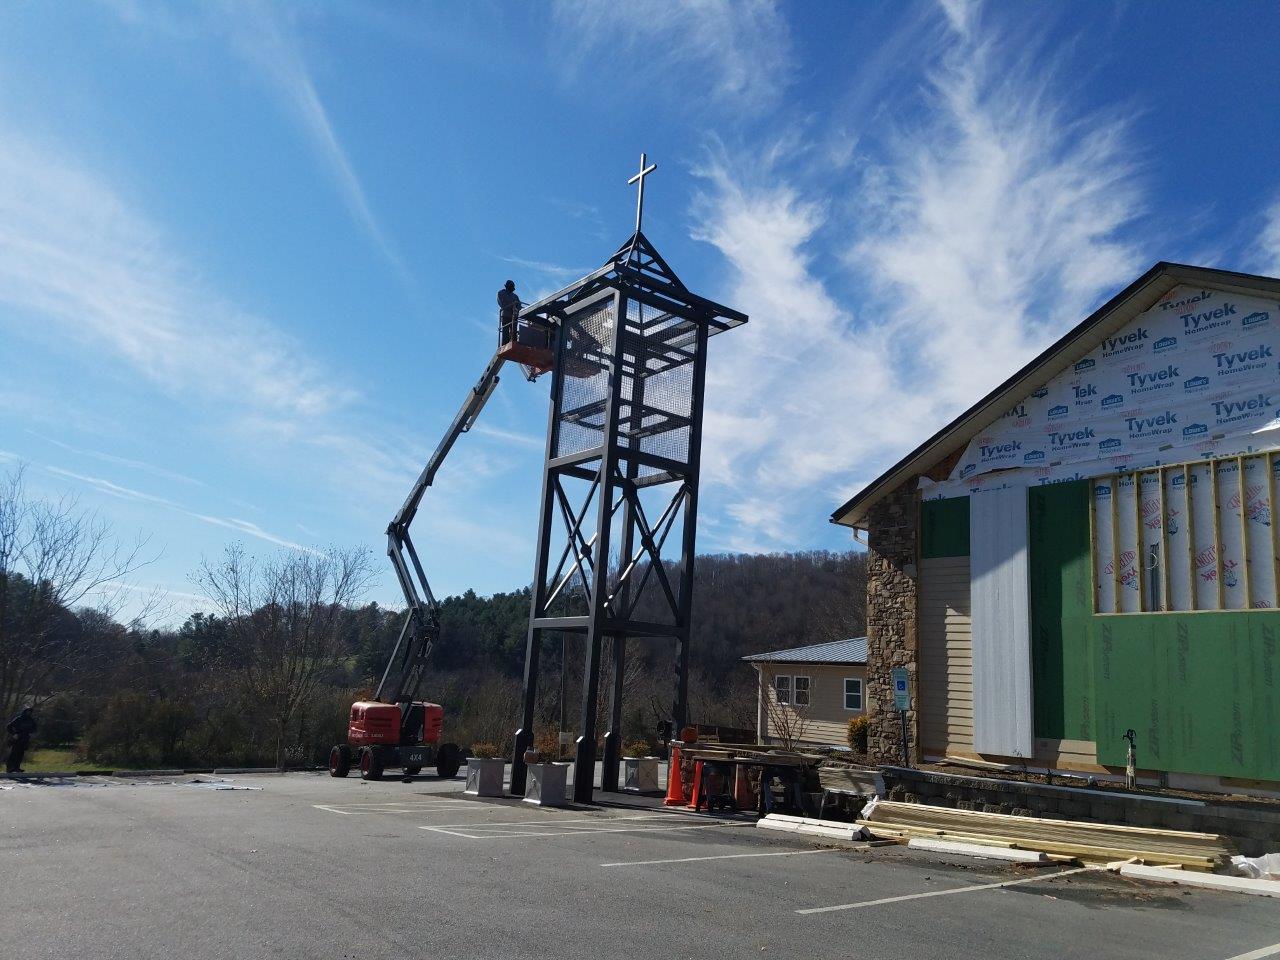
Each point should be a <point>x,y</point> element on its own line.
<point>852,651</point>
<point>1138,297</point>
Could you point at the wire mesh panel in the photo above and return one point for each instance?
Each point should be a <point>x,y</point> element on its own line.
<point>658,384</point>
<point>588,336</point>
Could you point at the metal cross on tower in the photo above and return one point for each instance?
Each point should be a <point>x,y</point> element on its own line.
<point>639,179</point>
<point>619,501</point>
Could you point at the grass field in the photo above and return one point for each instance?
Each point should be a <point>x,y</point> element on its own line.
<point>46,759</point>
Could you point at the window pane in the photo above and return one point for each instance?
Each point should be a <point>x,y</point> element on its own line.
<point>802,691</point>
<point>853,693</point>
<point>782,688</point>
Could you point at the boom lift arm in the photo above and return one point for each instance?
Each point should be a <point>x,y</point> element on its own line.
<point>404,671</point>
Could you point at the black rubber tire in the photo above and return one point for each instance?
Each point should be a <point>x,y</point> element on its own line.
<point>370,765</point>
<point>412,771</point>
<point>340,760</point>
<point>448,761</point>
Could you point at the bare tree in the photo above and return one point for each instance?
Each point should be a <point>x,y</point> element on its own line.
<point>283,621</point>
<point>787,722</point>
<point>54,557</point>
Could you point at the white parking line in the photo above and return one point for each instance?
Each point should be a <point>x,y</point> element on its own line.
<point>363,809</point>
<point>562,828</point>
<point>723,856</point>
<point>943,893</point>
<point>1258,954</point>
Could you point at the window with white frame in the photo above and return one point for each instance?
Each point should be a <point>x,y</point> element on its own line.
<point>802,691</point>
<point>1195,536</point>
<point>853,693</point>
<point>782,689</point>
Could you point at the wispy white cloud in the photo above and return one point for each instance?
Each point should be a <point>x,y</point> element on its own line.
<point>78,261</point>
<point>979,233</point>
<point>1267,252</point>
<point>740,52</point>
<point>260,33</point>
<point>162,472</point>
<point>552,270</point>
<point>265,36</point>
<point>245,527</point>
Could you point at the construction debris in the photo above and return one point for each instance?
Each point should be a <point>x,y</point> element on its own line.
<point>1088,842</point>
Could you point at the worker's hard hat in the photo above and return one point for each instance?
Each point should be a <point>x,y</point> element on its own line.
<point>510,284</point>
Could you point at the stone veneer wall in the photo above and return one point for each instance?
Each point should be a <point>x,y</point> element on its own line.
<point>891,618</point>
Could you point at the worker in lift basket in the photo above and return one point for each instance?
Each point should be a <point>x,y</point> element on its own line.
<point>508,307</point>
<point>20,729</point>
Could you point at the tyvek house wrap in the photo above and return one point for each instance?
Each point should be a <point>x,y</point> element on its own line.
<point>1195,376</point>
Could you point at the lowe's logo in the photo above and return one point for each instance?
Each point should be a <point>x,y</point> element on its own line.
<point>1255,318</point>
<point>1033,456</point>
<point>1061,410</point>
<point>969,468</point>
<point>1164,343</point>
<point>1072,439</point>
<point>1153,381</point>
<point>1179,480</point>
<point>1209,320</point>
<point>1085,390</point>
<point>1102,491</point>
<point>999,449</point>
<point>1111,443</point>
<point>1125,344</point>
<point>1195,383</point>
<point>1194,430</point>
<point>1041,393</point>
<point>1112,400</point>
<point>1086,364</point>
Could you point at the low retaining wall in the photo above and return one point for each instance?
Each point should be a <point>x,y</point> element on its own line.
<point>1254,827</point>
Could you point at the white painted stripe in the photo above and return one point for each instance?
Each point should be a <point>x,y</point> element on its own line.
<point>549,821</point>
<point>1258,954</point>
<point>654,828</point>
<point>944,893</point>
<point>723,856</point>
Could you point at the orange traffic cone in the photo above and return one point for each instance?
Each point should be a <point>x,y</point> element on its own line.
<point>743,796</point>
<point>675,785</point>
<point>696,796</point>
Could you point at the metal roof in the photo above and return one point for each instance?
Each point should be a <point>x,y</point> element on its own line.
<point>1139,296</point>
<point>837,651</point>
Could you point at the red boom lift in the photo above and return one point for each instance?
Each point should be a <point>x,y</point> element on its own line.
<point>395,729</point>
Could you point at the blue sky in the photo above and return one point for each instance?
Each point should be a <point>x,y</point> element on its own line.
<point>248,251</point>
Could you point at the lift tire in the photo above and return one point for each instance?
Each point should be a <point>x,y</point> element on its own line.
<point>412,771</point>
<point>448,761</point>
<point>370,765</point>
<point>340,760</point>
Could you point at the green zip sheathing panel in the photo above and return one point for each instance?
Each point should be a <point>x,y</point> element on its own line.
<point>1061,611</point>
<point>944,528</point>
<point>1198,689</point>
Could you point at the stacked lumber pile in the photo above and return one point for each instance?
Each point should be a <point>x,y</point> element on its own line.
<point>1090,842</point>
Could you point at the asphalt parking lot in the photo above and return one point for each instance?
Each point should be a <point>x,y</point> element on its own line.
<point>302,865</point>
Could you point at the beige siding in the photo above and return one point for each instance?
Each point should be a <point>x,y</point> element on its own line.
<point>825,721</point>
<point>946,663</point>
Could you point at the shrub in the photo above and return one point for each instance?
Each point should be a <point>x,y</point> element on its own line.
<point>638,748</point>
<point>484,751</point>
<point>857,733</point>
<point>547,743</point>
